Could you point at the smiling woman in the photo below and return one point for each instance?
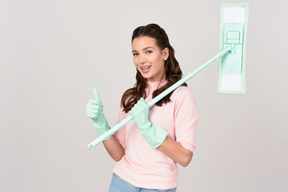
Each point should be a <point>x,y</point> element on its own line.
<point>148,148</point>
<point>149,58</point>
<point>151,49</point>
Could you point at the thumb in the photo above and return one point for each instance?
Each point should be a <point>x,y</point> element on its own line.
<point>97,97</point>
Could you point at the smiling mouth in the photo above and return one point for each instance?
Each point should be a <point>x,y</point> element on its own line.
<point>145,69</point>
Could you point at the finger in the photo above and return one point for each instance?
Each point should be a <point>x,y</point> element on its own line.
<point>93,103</point>
<point>94,108</point>
<point>97,97</point>
<point>92,115</point>
<point>97,110</point>
<point>88,113</point>
<point>136,109</point>
<point>143,103</point>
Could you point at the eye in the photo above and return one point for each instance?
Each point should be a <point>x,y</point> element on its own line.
<point>148,52</point>
<point>135,54</point>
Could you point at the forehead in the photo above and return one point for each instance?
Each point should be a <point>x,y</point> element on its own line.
<point>143,42</point>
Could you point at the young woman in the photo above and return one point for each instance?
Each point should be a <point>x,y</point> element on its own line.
<point>148,149</point>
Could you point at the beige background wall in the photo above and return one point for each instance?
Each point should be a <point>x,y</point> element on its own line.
<point>53,52</point>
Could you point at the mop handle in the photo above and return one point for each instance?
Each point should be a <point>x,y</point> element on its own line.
<point>159,97</point>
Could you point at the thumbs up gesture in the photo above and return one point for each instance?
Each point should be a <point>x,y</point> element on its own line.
<point>94,111</point>
<point>94,108</point>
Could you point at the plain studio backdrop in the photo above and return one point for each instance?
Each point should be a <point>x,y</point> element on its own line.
<point>53,52</point>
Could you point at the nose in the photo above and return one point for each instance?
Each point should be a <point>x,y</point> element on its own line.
<point>142,59</point>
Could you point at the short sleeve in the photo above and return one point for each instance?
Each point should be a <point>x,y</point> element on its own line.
<point>121,133</point>
<point>186,116</point>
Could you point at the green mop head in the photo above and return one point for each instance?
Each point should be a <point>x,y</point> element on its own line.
<point>233,30</point>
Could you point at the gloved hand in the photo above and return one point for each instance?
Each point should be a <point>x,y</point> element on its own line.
<point>153,133</point>
<point>94,111</point>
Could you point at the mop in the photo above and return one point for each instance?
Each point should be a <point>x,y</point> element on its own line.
<point>231,80</point>
<point>233,31</point>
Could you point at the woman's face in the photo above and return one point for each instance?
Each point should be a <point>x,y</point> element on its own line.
<point>149,58</point>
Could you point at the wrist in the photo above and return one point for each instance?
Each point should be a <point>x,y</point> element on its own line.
<point>154,135</point>
<point>101,126</point>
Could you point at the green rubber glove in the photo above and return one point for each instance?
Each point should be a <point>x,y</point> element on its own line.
<point>94,111</point>
<point>153,133</point>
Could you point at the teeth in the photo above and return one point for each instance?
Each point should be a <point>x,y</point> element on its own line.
<point>145,67</point>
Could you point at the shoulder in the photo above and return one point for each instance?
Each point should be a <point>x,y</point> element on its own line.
<point>184,103</point>
<point>183,97</point>
<point>182,92</point>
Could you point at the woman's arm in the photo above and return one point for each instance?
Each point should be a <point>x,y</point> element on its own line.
<point>114,148</point>
<point>176,152</point>
<point>156,136</point>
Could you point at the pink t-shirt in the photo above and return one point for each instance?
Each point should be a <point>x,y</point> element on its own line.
<point>145,167</point>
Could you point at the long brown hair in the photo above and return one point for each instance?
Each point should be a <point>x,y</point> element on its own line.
<point>172,69</point>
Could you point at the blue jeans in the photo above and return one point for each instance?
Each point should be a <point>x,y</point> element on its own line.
<point>119,185</point>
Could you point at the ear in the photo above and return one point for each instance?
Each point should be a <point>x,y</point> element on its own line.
<point>165,53</point>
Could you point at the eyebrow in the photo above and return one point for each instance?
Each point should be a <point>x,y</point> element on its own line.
<point>143,49</point>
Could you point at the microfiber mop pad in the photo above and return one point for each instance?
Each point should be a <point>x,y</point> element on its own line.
<point>233,30</point>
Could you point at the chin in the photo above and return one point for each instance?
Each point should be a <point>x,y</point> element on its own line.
<point>145,76</point>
